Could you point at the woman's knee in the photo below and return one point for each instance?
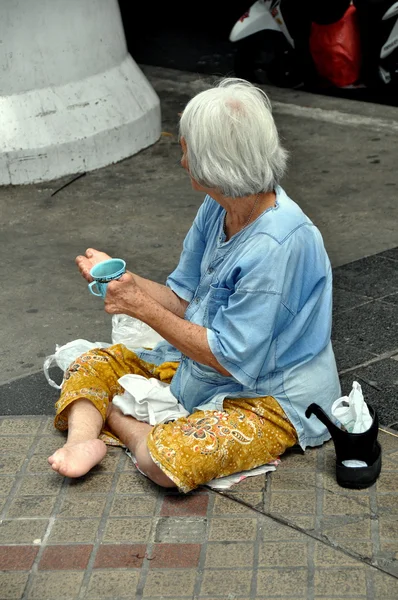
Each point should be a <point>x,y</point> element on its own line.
<point>148,466</point>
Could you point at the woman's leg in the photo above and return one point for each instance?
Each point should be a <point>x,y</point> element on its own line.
<point>193,450</point>
<point>134,435</point>
<point>89,386</point>
<point>83,450</point>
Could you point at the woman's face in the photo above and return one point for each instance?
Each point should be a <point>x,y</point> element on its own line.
<point>184,164</point>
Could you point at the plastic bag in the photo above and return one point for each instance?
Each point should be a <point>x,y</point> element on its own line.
<point>66,354</point>
<point>126,330</point>
<point>352,411</point>
<point>336,49</point>
<point>133,333</point>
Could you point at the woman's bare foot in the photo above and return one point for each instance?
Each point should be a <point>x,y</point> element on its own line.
<point>75,460</point>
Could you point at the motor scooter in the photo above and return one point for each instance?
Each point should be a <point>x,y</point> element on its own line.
<point>272,40</point>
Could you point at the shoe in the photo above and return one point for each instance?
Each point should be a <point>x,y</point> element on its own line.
<point>353,446</point>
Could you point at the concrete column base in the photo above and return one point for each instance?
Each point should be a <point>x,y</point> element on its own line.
<point>80,126</point>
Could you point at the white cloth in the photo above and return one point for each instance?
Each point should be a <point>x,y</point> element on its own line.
<point>148,400</point>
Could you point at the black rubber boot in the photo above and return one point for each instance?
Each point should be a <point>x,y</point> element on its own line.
<point>353,446</point>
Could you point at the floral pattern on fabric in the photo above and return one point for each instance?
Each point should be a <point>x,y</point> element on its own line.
<point>193,450</point>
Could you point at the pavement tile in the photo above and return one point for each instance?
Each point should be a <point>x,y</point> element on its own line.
<point>127,530</point>
<point>172,556</point>
<point>253,484</point>
<point>232,529</point>
<point>348,355</point>
<point>387,503</point>
<point>17,558</point>
<point>388,526</point>
<point>168,583</point>
<point>389,549</point>
<point>289,504</point>
<point>385,587</point>
<point>344,299</point>
<point>92,483</point>
<point>361,548</point>
<point>226,583</point>
<point>340,581</point>
<point>224,505</point>
<point>283,554</point>
<point>135,483</point>
<point>133,506</point>
<point>288,582</point>
<point>75,506</point>
<point>112,584</point>
<point>31,506</point>
<point>49,444</point>
<point>389,442</point>
<point>12,585</point>
<point>254,499</point>
<point>373,276</point>
<point>346,528</point>
<point>6,484</point>
<point>271,530</point>
<point>11,463</point>
<point>291,481</point>
<point>120,556</point>
<point>12,426</point>
<point>221,555</point>
<point>341,505</point>
<point>22,531</point>
<point>41,485</point>
<point>325,556</point>
<point>18,444</point>
<point>180,506</point>
<point>71,557</point>
<point>39,464</point>
<point>74,531</point>
<point>388,481</point>
<point>307,523</point>
<point>110,462</point>
<point>361,326</point>
<point>181,530</point>
<point>296,459</point>
<point>391,298</point>
<point>61,585</point>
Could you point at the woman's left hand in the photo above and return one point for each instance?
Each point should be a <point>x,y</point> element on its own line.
<point>124,296</point>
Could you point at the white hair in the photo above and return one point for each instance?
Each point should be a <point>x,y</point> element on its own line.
<point>232,141</point>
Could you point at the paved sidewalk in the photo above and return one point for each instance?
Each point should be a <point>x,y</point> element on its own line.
<point>113,534</point>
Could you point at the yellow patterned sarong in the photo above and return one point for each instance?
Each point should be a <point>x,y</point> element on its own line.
<point>191,451</point>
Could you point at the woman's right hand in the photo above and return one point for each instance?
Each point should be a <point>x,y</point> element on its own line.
<point>86,263</point>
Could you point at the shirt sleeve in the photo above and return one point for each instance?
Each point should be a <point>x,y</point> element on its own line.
<point>243,329</point>
<point>185,278</point>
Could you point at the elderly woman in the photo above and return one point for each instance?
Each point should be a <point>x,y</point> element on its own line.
<point>246,316</point>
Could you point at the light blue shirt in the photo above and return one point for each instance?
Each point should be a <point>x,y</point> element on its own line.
<point>265,297</point>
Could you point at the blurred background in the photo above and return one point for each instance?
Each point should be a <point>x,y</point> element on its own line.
<point>194,36</point>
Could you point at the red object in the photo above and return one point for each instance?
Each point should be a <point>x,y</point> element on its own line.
<point>336,49</point>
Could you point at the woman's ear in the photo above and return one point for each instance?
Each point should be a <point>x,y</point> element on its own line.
<point>183,144</point>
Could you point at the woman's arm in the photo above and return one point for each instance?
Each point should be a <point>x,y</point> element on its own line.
<point>126,296</point>
<point>161,293</point>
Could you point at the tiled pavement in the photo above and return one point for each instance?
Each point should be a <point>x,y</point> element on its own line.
<point>293,534</point>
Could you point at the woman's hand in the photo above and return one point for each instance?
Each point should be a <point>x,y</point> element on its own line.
<point>86,263</point>
<point>124,296</point>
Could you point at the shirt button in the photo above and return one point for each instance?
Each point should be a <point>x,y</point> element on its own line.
<point>197,300</point>
<point>210,270</point>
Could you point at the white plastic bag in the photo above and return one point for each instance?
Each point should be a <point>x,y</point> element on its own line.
<point>133,333</point>
<point>66,354</point>
<point>353,414</point>
<point>352,411</point>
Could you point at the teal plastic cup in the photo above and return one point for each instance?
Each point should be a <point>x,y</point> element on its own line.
<point>103,273</point>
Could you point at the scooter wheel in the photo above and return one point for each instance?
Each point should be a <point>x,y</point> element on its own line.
<point>267,57</point>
